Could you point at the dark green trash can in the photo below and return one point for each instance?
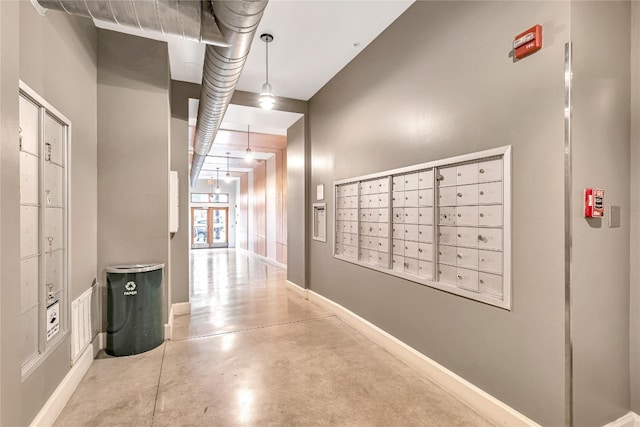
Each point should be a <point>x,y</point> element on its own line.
<point>134,308</point>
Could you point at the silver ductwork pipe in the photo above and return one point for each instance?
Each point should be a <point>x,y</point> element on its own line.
<point>237,21</point>
<point>190,19</point>
<point>227,26</point>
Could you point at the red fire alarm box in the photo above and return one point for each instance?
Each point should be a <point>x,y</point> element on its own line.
<point>528,42</point>
<point>593,203</point>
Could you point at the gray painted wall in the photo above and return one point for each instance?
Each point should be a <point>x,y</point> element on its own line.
<point>421,92</point>
<point>635,209</point>
<point>180,241</point>
<point>600,32</point>
<point>10,353</point>
<point>296,182</point>
<point>133,152</point>
<point>58,59</point>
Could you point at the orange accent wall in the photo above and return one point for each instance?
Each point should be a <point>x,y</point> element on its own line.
<point>281,206</point>
<point>242,228</point>
<point>259,209</point>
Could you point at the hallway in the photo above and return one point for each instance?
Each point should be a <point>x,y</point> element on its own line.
<point>254,353</point>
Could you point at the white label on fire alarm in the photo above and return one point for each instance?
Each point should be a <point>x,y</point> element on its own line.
<point>522,40</point>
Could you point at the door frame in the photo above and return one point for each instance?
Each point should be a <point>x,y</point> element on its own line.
<point>226,227</point>
<point>209,242</point>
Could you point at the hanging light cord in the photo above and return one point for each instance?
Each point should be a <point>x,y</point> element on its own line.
<point>248,137</point>
<point>267,60</point>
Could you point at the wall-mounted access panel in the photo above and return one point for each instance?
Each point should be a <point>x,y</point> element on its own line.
<point>44,145</point>
<point>320,222</point>
<point>444,224</point>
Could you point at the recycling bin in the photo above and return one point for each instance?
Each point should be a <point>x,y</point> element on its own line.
<point>134,308</point>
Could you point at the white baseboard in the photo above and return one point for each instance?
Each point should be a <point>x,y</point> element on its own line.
<point>57,401</point>
<point>474,397</point>
<point>263,258</point>
<point>177,309</point>
<point>168,327</point>
<point>181,308</point>
<point>297,289</point>
<point>629,420</point>
<point>98,343</point>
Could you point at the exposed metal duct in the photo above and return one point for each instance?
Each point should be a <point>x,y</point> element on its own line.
<point>237,21</point>
<point>190,19</point>
<point>227,26</point>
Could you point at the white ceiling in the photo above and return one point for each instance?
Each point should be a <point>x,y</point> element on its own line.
<point>313,41</point>
<point>238,117</point>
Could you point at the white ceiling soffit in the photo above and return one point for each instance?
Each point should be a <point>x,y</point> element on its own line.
<point>313,40</point>
<point>238,117</point>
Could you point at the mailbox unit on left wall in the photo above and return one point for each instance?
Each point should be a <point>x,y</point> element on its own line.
<point>44,140</point>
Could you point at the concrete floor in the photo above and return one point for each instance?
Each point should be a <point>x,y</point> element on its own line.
<point>254,353</point>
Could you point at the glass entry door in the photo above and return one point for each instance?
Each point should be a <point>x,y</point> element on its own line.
<point>219,220</point>
<point>209,227</point>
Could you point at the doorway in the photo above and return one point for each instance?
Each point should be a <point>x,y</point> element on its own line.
<point>210,227</point>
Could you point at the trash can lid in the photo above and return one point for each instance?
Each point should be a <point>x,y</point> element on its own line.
<point>134,268</point>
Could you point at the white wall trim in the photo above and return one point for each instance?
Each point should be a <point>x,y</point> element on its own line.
<point>168,327</point>
<point>181,308</point>
<point>102,342</point>
<point>629,420</point>
<point>479,400</point>
<point>298,289</point>
<point>177,309</point>
<point>263,258</point>
<point>57,401</point>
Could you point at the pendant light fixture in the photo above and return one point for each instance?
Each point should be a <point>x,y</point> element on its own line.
<point>227,177</point>
<point>267,99</point>
<point>248,155</point>
<point>217,180</point>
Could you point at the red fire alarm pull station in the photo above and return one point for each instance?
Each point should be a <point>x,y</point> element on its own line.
<point>528,42</point>
<point>593,203</point>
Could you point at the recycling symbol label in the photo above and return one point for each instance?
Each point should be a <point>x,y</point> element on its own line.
<point>130,288</point>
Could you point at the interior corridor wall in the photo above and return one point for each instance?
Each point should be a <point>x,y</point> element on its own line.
<point>271,208</point>
<point>242,227</point>
<point>600,33</point>
<point>296,193</point>
<point>10,353</point>
<point>181,241</point>
<point>422,92</point>
<point>635,210</point>
<point>133,153</point>
<point>58,59</point>
<point>259,209</point>
<point>281,207</point>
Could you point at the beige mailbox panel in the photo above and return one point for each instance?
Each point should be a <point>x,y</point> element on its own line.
<point>443,224</point>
